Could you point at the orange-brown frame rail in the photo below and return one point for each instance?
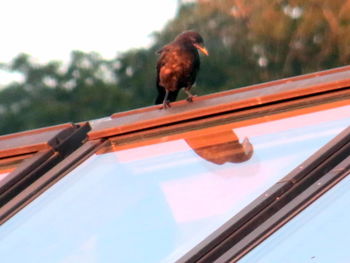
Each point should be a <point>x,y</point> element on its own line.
<point>233,100</point>
<point>46,147</point>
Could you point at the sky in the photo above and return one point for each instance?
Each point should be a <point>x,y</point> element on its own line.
<point>50,30</point>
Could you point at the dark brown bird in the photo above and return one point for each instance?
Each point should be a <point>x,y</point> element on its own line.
<point>177,66</point>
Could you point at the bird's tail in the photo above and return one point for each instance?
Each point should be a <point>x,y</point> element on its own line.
<point>161,95</point>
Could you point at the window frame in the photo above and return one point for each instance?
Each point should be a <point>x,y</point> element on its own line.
<point>46,147</point>
<point>247,116</point>
<point>235,100</point>
<point>244,104</point>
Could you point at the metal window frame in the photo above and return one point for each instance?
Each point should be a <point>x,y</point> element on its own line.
<point>230,241</point>
<point>34,140</point>
<point>47,147</point>
<point>9,164</point>
<point>247,116</point>
<point>224,102</point>
<point>60,167</point>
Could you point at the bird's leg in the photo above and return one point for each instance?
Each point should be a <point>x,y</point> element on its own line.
<point>166,102</point>
<point>189,94</point>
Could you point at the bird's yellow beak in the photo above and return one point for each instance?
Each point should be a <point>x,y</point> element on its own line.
<point>202,49</point>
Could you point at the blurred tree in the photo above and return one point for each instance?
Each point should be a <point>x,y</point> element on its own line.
<point>84,89</point>
<point>249,41</point>
<point>135,73</point>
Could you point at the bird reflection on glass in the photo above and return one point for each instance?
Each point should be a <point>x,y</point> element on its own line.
<point>177,67</point>
<point>221,147</point>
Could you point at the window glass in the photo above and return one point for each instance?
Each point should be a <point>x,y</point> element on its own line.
<point>319,233</point>
<point>154,202</point>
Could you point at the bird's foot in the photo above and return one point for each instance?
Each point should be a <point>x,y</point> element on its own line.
<point>190,97</point>
<point>166,104</point>
<point>189,94</point>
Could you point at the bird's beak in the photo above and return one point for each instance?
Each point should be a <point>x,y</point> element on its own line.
<point>202,49</point>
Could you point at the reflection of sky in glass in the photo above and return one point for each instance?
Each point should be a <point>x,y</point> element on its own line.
<point>154,203</point>
<point>319,233</point>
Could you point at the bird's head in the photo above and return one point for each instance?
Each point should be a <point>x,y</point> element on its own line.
<point>193,38</point>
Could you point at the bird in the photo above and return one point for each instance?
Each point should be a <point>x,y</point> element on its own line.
<point>177,67</point>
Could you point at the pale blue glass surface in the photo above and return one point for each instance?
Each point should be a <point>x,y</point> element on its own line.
<point>320,233</point>
<point>156,202</point>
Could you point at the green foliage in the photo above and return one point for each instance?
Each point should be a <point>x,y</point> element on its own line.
<point>53,93</point>
<point>249,41</point>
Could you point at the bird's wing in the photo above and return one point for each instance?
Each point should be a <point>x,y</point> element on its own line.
<point>167,55</point>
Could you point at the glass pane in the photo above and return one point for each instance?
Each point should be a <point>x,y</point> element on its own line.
<point>319,233</point>
<point>155,200</point>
